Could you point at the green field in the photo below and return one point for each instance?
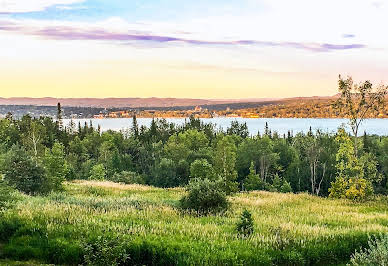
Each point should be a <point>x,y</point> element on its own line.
<point>103,223</point>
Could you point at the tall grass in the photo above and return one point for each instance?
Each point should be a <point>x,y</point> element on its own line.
<point>103,223</point>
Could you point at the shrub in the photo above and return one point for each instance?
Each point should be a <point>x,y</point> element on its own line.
<point>24,173</point>
<point>205,196</point>
<point>62,251</point>
<point>128,177</point>
<point>245,225</point>
<point>359,189</point>
<point>356,189</point>
<point>6,194</point>
<point>105,250</point>
<point>375,254</point>
<point>286,187</point>
<point>97,172</point>
<point>338,188</point>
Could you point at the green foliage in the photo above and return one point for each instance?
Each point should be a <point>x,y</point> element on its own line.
<point>353,189</point>
<point>55,166</point>
<point>24,173</point>
<point>245,226</point>
<point>105,250</point>
<point>97,172</point>
<point>375,254</point>
<point>186,145</point>
<point>224,163</point>
<point>348,165</point>
<point>355,176</point>
<point>204,197</point>
<point>202,169</point>
<point>165,174</point>
<point>286,187</point>
<point>253,180</point>
<point>277,182</point>
<point>358,101</point>
<point>166,154</point>
<point>267,157</point>
<point>9,132</point>
<point>238,129</point>
<point>127,177</point>
<point>6,195</point>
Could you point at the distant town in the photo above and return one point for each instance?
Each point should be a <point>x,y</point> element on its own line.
<point>286,108</point>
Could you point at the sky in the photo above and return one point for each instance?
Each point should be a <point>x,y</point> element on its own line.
<point>189,49</point>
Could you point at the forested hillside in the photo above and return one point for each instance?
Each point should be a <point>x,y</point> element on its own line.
<point>166,155</point>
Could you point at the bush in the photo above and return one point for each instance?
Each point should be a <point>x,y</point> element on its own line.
<point>128,177</point>
<point>375,254</point>
<point>105,250</point>
<point>6,194</point>
<point>245,225</point>
<point>205,196</point>
<point>24,173</point>
<point>356,189</point>
<point>286,187</point>
<point>97,172</point>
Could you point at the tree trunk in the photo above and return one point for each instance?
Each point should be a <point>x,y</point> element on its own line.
<point>356,142</point>
<point>323,176</point>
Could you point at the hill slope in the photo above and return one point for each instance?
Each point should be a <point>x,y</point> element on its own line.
<point>103,222</point>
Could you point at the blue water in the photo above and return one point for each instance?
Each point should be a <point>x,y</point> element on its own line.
<point>281,125</point>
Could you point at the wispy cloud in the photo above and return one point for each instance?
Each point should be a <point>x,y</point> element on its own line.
<point>348,36</point>
<point>223,68</point>
<point>100,34</point>
<point>23,6</point>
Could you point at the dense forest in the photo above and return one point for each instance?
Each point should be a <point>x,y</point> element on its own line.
<point>167,155</point>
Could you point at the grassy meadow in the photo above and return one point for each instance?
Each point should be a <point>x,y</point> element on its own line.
<point>105,223</point>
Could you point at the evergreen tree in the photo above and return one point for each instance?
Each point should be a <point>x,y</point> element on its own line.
<point>245,226</point>
<point>289,137</point>
<point>135,127</point>
<point>266,129</point>
<point>59,117</point>
<point>286,187</point>
<point>253,180</point>
<point>310,132</point>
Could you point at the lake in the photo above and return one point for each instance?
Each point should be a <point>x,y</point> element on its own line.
<point>281,125</point>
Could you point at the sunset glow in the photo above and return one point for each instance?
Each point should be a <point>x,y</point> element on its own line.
<point>196,49</point>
